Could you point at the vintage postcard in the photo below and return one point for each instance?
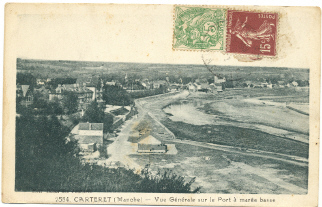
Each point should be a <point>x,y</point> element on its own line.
<point>192,105</point>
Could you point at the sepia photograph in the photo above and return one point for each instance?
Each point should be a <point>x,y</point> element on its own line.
<point>142,104</point>
<point>163,128</point>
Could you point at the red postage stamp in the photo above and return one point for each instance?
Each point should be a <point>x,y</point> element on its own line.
<point>251,33</point>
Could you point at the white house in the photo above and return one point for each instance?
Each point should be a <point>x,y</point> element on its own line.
<point>295,84</point>
<point>198,86</point>
<point>90,136</point>
<point>40,82</point>
<point>151,145</point>
<point>219,87</point>
<point>192,87</point>
<point>219,80</point>
<point>110,83</point>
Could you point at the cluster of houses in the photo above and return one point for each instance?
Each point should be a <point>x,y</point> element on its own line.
<point>279,84</point>
<point>85,93</point>
<point>88,91</point>
<point>56,89</point>
<point>203,85</point>
<point>145,84</point>
<point>90,138</point>
<point>198,85</point>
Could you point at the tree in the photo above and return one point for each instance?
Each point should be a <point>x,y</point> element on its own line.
<point>229,84</point>
<point>245,85</point>
<point>94,114</point>
<point>70,102</point>
<point>54,107</point>
<point>26,79</point>
<point>47,161</point>
<point>165,182</point>
<point>116,95</point>
<point>40,142</point>
<point>39,102</point>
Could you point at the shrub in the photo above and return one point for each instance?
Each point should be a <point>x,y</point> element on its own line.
<point>165,182</point>
<point>47,161</point>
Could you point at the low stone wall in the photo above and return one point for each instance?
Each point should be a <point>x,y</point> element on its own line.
<point>161,125</point>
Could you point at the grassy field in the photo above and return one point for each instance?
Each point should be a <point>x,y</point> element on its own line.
<point>237,137</point>
<point>288,94</point>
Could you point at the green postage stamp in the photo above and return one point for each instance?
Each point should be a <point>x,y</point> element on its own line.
<point>199,28</point>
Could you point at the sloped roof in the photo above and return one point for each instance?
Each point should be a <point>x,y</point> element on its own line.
<point>80,90</point>
<point>69,86</point>
<point>90,126</point>
<point>150,140</point>
<point>151,147</point>
<point>24,89</point>
<point>110,83</point>
<point>204,85</point>
<point>203,80</point>
<point>86,139</point>
<point>159,82</point>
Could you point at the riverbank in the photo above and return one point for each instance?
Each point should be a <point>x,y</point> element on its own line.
<point>217,168</point>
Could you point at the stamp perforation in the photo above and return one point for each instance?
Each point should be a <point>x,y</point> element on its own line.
<point>223,11</point>
<point>234,8</point>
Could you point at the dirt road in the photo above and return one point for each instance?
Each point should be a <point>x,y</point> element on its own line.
<point>119,150</point>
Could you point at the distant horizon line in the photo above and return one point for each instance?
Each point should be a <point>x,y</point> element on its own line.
<point>57,60</point>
